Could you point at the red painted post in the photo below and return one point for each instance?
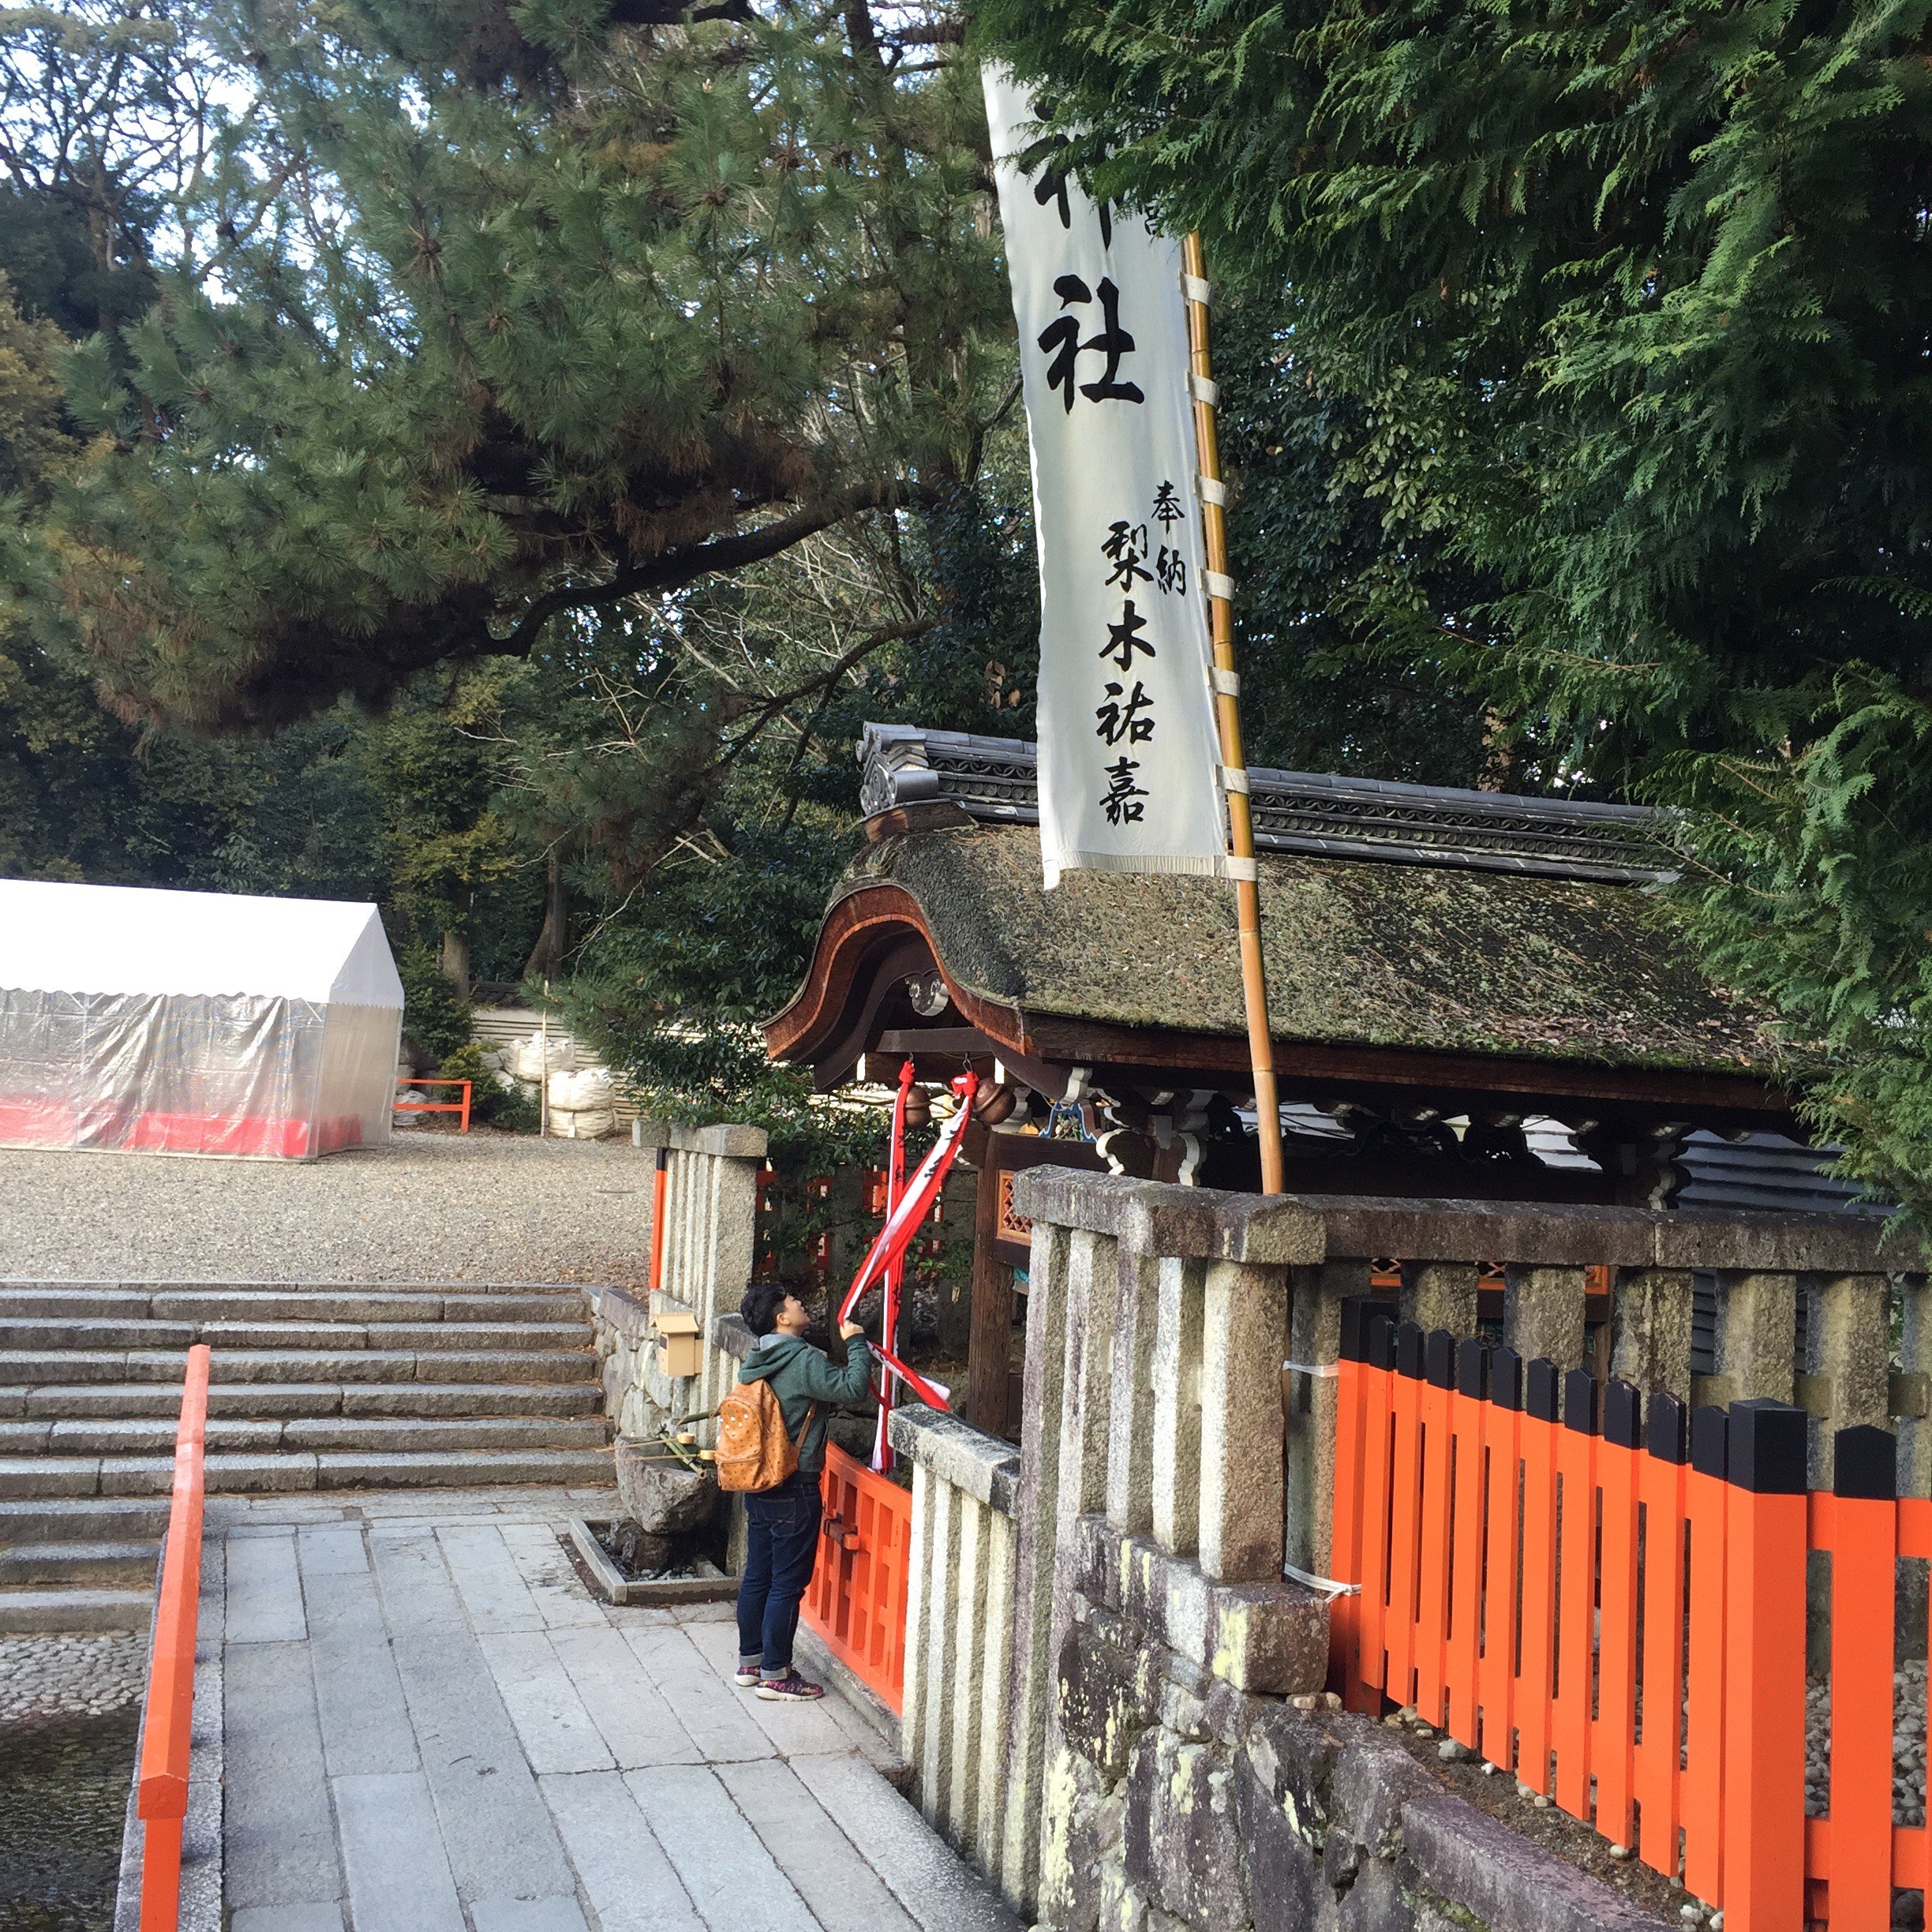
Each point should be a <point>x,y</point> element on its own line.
<point>1432,1553</point>
<point>465,1127</point>
<point>1405,1514</point>
<point>1345,1555</point>
<point>1764,1816</point>
<point>161,1789</point>
<point>1378,1478</point>
<point>660,1200</point>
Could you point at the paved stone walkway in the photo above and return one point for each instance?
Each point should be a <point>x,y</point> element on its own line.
<point>429,1725</point>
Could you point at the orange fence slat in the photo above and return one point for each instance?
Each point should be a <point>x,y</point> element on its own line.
<point>1661,1469</point>
<point>1764,1686</point>
<point>1613,1737</point>
<point>1432,1539</point>
<point>1864,1545</point>
<point>1466,1404</point>
<point>1405,1514</point>
<point>1378,1443</point>
<point>1496,1675</point>
<point>1702,1807</point>
<point>1536,1645</point>
<point>1576,1603</point>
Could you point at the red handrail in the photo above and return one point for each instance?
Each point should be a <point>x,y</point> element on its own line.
<point>161,1800</point>
<point>436,1106</point>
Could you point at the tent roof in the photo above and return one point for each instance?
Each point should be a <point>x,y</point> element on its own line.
<point>130,939</point>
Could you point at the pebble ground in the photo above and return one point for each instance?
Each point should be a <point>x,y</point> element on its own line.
<point>44,1679</point>
<point>429,1206</point>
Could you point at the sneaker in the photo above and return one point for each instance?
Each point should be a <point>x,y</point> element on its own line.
<point>789,1689</point>
<point>748,1675</point>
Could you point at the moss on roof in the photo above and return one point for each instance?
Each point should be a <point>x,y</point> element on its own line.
<point>1358,952</point>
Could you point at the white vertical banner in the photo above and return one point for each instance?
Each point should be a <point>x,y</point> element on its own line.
<point>1129,756</point>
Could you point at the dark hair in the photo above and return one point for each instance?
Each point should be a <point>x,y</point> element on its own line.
<point>759,1309</point>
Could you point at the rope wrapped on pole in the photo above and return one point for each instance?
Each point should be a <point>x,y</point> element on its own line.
<point>1220,588</point>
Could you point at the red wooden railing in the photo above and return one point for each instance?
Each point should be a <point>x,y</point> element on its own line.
<point>1613,1606</point>
<point>437,1106</point>
<point>161,1799</point>
<point>857,1601</point>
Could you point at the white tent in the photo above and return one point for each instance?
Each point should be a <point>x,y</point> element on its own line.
<point>193,1023</point>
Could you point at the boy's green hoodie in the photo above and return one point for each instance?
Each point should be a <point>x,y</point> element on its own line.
<point>801,1375</point>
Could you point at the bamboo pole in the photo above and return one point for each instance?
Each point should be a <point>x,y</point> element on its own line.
<point>1227,708</point>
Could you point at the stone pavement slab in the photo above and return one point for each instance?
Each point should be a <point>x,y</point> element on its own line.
<point>432,1727</point>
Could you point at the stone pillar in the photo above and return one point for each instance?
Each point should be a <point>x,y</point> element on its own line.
<point>1848,1356</point>
<point>1439,1294</point>
<point>1132,1425</point>
<point>1650,1330</point>
<point>1757,1338</point>
<point>1245,1333</point>
<point>1315,1340</point>
<point>1543,1313</point>
<point>1179,1301</point>
<point>1034,1688</point>
<point>1914,1402</point>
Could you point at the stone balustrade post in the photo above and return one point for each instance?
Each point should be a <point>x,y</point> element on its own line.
<point>1911,1397</point>
<point>1757,1340</point>
<point>1650,1329</point>
<point>1132,1426</point>
<point>1315,1342</point>
<point>1543,1312</point>
<point>1439,1294</point>
<point>1244,1334</point>
<point>1181,1291</point>
<point>1847,1361</point>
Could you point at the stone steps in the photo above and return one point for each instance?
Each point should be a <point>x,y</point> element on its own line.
<point>319,1386</point>
<point>109,1400</point>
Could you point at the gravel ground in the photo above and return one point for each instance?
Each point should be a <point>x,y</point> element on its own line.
<point>46,1678</point>
<point>430,1207</point>
<point>1908,1746</point>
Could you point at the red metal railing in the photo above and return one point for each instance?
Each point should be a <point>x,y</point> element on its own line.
<point>857,1601</point>
<point>437,1106</point>
<point>161,1799</point>
<point>1614,1606</point>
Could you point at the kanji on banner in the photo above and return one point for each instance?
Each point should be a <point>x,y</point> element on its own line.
<point>1129,758</point>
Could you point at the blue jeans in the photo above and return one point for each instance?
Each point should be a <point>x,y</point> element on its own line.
<point>781,1546</point>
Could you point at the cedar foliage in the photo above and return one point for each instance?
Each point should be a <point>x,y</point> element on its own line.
<point>1629,307</point>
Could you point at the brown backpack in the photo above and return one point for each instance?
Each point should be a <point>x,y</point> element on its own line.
<point>754,1451</point>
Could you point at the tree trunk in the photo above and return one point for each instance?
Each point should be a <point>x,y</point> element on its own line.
<point>546,958</point>
<point>455,961</point>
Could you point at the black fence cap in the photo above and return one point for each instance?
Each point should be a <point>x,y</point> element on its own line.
<point>1380,1337</point>
<point>1355,1309</point>
<point>1409,1351</point>
<point>1506,1385</point>
<point>1622,1415</point>
<point>1865,1462</point>
<point>1767,1455</point>
<point>1472,1377</point>
<point>1666,1428</point>
<point>1540,1380</point>
<point>1438,1358</point>
<point>1580,1402</point>
<point>1710,1446</point>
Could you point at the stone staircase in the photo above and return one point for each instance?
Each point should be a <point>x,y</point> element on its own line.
<point>313,1386</point>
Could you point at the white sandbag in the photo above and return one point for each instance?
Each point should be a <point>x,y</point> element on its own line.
<point>530,1059</point>
<point>577,1092</point>
<point>582,1123</point>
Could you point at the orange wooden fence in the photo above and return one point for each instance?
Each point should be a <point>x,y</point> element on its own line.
<point>857,1601</point>
<point>437,1106</point>
<point>1611,1604</point>
<point>161,1799</point>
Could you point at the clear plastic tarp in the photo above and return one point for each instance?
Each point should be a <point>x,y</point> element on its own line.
<point>193,1023</point>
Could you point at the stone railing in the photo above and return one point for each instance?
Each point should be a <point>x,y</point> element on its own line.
<point>1711,1307</point>
<point>958,1622</point>
<point>712,1204</point>
<point>1115,1687</point>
